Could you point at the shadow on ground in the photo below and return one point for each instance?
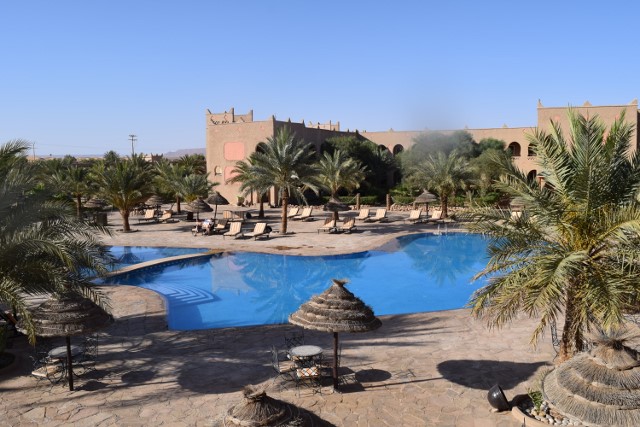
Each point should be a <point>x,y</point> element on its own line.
<point>483,374</point>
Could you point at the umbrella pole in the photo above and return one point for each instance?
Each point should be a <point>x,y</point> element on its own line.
<point>69,363</point>
<point>215,213</point>
<point>335,360</point>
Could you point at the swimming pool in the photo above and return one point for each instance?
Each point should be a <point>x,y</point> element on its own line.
<point>410,274</point>
<point>130,255</point>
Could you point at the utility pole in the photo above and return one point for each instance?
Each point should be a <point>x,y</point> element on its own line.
<point>133,139</point>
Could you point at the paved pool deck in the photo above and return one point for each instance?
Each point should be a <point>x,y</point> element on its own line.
<point>424,369</point>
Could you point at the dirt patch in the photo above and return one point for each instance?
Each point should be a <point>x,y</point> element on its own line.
<point>285,248</point>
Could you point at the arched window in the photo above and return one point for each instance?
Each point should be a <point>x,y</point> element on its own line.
<point>397,149</point>
<point>531,152</point>
<point>383,148</point>
<point>260,147</point>
<point>217,171</point>
<point>531,176</point>
<point>514,147</point>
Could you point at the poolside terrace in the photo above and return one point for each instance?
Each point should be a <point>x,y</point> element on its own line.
<point>424,369</point>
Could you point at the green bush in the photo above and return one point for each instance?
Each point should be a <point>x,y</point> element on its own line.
<point>536,398</point>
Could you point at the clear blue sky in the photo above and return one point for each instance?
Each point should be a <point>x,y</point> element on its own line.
<point>80,76</point>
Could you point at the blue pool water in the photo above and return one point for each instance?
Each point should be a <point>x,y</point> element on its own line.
<point>411,274</point>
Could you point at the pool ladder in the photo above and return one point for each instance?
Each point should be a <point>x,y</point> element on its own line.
<point>446,229</point>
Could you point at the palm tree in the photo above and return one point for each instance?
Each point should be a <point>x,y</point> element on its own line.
<point>337,171</point>
<point>192,186</point>
<point>444,174</point>
<point>72,180</point>
<point>243,173</point>
<point>44,247</point>
<point>575,252</point>
<point>195,163</point>
<point>125,185</point>
<point>167,176</point>
<point>286,163</point>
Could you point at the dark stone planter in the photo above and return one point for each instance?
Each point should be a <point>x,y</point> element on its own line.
<point>497,399</point>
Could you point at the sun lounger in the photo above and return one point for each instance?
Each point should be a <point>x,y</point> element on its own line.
<point>260,230</point>
<point>293,212</point>
<point>381,216</point>
<point>166,217</point>
<point>305,215</point>
<point>235,230</point>
<point>329,225</point>
<point>218,227</point>
<point>364,214</point>
<point>436,216</point>
<point>415,216</point>
<point>149,215</point>
<point>348,225</point>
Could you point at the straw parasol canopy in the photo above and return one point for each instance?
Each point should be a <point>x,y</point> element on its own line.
<point>198,205</point>
<point>258,409</point>
<point>334,205</point>
<point>517,202</point>
<point>336,310</point>
<point>95,203</point>
<point>67,315</point>
<point>425,198</point>
<point>154,200</point>
<point>600,387</point>
<point>216,199</point>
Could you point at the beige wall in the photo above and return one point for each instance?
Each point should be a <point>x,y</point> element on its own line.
<point>607,114</point>
<point>231,137</point>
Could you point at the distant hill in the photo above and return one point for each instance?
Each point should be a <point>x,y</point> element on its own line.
<point>184,152</point>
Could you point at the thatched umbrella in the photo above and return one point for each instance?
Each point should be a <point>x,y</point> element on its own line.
<point>198,205</point>
<point>517,202</point>
<point>334,205</point>
<point>67,315</point>
<point>95,203</point>
<point>336,310</point>
<point>154,200</point>
<point>258,409</point>
<point>216,199</point>
<point>600,387</point>
<point>425,198</point>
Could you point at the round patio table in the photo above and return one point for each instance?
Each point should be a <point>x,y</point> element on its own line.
<point>61,352</point>
<point>305,351</point>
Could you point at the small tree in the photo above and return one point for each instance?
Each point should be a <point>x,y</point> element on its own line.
<point>337,171</point>
<point>244,174</point>
<point>44,247</point>
<point>442,174</point>
<point>124,185</point>
<point>575,252</point>
<point>286,163</point>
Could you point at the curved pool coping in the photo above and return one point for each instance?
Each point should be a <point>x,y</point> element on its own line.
<point>161,261</point>
<point>384,245</point>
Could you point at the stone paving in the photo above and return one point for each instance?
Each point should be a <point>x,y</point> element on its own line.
<point>425,369</point>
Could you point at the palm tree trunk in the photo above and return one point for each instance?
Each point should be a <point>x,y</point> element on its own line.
<point>177,204</point>
<point>125,221</point>
<point>571,342</point>
<point>285,206</point>
<point>444,200</point>
<point>261,211</point>
<point>79,205</point>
